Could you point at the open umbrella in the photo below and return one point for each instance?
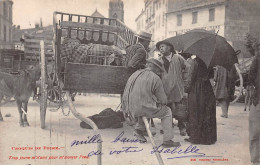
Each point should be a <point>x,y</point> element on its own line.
<point>210,47</point>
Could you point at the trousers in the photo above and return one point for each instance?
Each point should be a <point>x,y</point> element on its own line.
<point>165,114</point>
<point>181,123</point>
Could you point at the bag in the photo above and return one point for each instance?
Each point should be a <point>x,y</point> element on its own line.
<point>181,111</point>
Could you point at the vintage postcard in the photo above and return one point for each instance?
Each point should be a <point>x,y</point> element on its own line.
<point>129,82</point>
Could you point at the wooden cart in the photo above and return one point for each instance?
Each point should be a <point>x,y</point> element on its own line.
<point>80,77</point>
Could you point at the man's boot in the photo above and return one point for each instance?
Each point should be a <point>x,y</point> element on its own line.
<point>170,143</point>
<point>183,132</point>
<point>139,135</point>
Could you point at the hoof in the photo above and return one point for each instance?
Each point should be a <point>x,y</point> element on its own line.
<point>26,124</point>
<point>21,124</point>
<point>224,116</point>
<point>8,115</point>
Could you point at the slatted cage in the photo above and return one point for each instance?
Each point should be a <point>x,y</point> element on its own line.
<point>91,77</point>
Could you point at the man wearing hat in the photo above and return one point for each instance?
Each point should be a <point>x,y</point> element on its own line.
<point>144,96</point>
<point>175,68</point>
<point>136,54</point>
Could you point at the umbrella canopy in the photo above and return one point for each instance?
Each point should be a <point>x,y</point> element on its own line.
<point>210,47</point>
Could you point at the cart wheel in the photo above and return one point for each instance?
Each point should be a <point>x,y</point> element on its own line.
<point>238,90</point>
<point>43,97</point>
<point>53,91</point>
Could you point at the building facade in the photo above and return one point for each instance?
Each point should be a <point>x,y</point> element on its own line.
<point>116,9</point>
<point>6,22</point>
<point>232,19</point>
<point>190,16</point>
<point>152,19</point>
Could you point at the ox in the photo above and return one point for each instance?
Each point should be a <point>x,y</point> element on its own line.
<point>20,87</point>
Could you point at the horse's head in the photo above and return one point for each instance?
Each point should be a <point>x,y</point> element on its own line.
<point>34,72</point>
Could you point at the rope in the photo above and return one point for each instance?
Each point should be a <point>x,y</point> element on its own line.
<point>118,106</point>
<point>25,113</point>
<point>62,109</point>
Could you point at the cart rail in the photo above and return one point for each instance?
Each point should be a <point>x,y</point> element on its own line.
<point>94,29</point>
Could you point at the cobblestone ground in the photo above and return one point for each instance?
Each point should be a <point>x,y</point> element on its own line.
<point>52,145</point>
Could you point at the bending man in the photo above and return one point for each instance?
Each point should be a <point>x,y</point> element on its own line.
<point>144,96</point>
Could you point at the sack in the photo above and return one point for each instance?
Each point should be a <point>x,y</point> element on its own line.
<point>181,111</point>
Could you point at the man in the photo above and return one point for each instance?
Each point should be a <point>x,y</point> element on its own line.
<point>224,87</point>
<point>254,114</point>
<point>144,96</point>
<point>176,68</point>
<point>136,54</point>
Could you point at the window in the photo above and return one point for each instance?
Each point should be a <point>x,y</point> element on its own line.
<point>211,14</point>
<point>179,20</point>
<point>10,35</point>
<point>0,28</point>
<point>4,10</point>
<point>10,13</point>
<point>194,17</point>
<point>4,33</point>
<point>159,20</point>
<point>115,16</point>
<point>151,11</point>
<point>163,16</point>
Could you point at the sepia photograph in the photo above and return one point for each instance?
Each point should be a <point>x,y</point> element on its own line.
<point>130,82</point>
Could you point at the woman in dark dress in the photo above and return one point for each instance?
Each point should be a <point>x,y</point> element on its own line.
<point>202,127</point>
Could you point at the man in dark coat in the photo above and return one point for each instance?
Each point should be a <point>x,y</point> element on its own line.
<point>254,114</point>
<point>137,53</point>
<point>224,87</point>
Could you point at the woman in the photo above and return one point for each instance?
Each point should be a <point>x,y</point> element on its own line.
<point>202,127</point>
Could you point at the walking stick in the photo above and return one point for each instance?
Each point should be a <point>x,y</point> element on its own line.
<point>158,156</point>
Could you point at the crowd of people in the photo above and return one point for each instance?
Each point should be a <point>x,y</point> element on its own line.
<point>159,86</point>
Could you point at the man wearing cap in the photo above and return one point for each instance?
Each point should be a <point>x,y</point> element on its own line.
<point>144,96</point>
<point>136,54</point>
<point>175,68</point>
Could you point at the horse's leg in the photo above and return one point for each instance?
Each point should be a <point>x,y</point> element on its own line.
<point>25,115</point>
<point>246,98</point>
<point>1,117</point>
<point>152,123</point>
<point>250,97</point>
<point>19,106</point>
